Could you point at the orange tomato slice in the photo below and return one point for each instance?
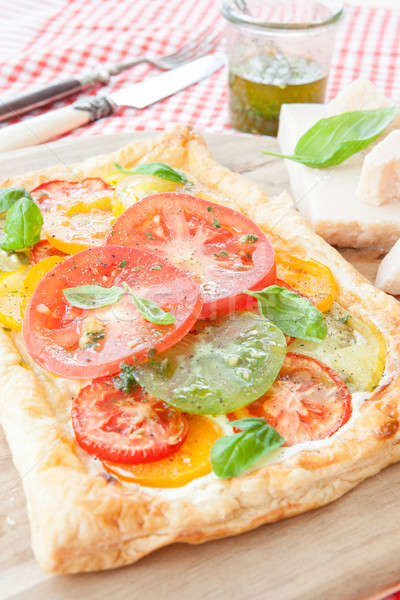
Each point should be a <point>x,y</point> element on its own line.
<point>192,460</point>
<point>308,277</point>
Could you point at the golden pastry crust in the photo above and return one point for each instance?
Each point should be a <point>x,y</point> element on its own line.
<point>82,521</point>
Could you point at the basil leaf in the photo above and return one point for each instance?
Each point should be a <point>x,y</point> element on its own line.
<point>93,296</point>
<point>292,313</point>
<point>157,169</point>
<point>151,311</point>
<point>8,197</point>
<point>231,455</point>
<point>330,141</point>
<point>22,226</point>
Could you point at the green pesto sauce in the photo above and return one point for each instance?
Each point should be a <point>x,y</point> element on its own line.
<point>263,82</point>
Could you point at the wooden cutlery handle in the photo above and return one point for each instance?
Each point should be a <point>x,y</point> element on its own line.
<point>54,123</point>
<point>20,105</point>
<point>27,102</point>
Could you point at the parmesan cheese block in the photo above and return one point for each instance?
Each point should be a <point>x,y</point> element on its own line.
<point>327,197</point>
<point>380,174</point>
<point>388,275</point>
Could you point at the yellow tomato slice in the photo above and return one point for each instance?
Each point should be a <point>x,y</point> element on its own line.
<point>354,347</point>
<point>34,276</point>
<point>132,188</point>
<point>192,460</point>
<point>80,226</point>
<point>77,214</point>
<point>309,277</point>
<point>11,288</point>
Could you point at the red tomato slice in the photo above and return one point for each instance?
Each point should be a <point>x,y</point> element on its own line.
<point>307,401</point>
<point>87,343</point>
<point>128,429</point>
<point>43,250</point>
<point>222,249</point>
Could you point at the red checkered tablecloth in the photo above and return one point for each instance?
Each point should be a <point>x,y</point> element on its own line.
<point>42,41</point>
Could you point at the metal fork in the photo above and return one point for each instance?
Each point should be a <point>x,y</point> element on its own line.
<point>202,44</point>
<point>206,41</point>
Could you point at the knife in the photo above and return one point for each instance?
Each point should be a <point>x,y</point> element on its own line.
<point>56,122</point>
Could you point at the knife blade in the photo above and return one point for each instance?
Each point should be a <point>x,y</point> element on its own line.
<point>57,122</point>
<point>161,86</point>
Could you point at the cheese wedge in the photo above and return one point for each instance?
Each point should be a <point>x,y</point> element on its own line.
<point>361,94</point>
<point>327,197</point>
<point>388,275</point>
<point>380,174</point>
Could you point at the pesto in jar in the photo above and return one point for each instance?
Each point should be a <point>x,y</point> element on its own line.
<point>262,83</point>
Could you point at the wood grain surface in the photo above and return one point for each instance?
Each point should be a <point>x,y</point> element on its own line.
<point>348,550</point>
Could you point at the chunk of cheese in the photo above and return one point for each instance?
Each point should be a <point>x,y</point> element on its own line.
<point>361,94</point>
<point>380,174</point>
<point>388,275</point>
<point>327,197</point>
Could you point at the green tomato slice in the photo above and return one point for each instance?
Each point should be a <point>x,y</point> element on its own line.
<point>226,365</point>
<point>354,347</point>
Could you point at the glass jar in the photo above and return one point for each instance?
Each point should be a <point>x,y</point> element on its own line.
<point>279,51</point>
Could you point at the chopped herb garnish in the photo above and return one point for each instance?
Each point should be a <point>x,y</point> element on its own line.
<point>156,267</point>
<point>126,380</point>
<point>248,238</point>
<point>216,224</point>
<point>149,235</point>
<point>210,208</point>
<point>93,338</point>
<point>122,264</point>
<point>222,253</point>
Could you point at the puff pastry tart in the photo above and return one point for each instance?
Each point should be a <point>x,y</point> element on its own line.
<point>181,357</point>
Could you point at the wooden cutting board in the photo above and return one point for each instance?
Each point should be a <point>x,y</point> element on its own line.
<point>348,550</point>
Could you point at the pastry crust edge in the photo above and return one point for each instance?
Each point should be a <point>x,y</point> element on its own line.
<point>85,522</point>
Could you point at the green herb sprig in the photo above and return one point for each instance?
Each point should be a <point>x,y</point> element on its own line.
<point>96,296</point>
<point>23,223</point>
<point>158,169</point>
<point>334,139</point>
<point>293,314</point>
<point>10,195</point>
<point>231,455</point>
